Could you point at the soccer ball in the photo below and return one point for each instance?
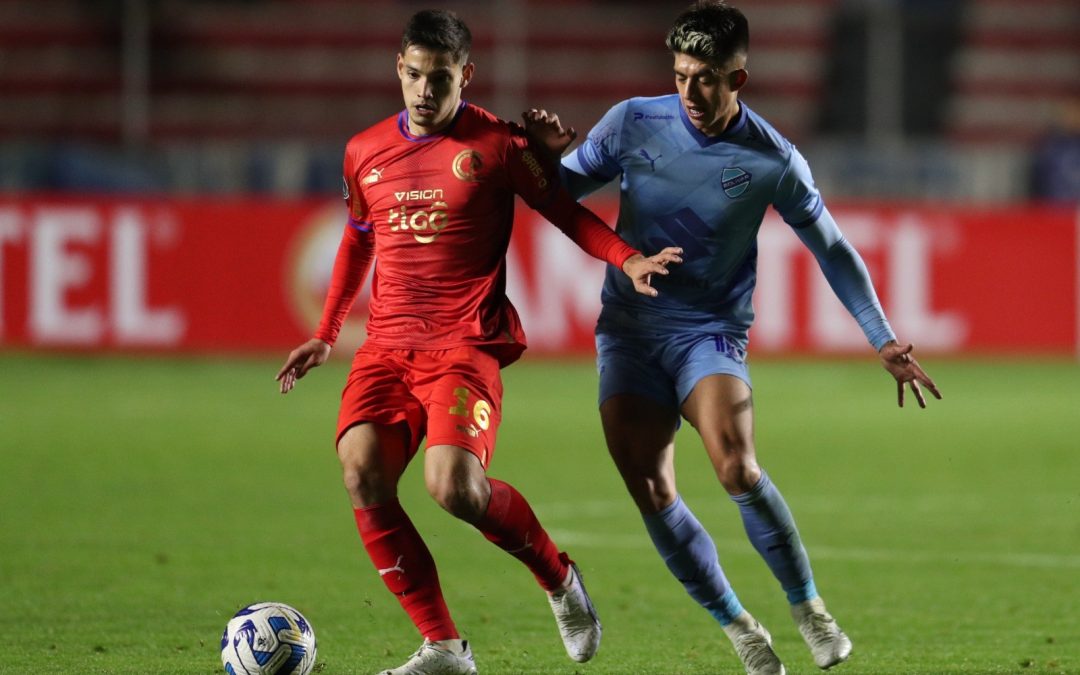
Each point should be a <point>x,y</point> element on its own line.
<point>268,638</point>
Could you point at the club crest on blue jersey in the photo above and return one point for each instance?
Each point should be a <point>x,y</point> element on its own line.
<point>735,181</point>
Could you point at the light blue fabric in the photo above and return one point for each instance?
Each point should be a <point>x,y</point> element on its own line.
<point>691,556</point>
<point>709,196</point>
<point>665,367</point>
<point>772,531</point>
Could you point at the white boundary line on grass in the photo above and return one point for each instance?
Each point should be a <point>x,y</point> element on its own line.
<point>1005,559</point>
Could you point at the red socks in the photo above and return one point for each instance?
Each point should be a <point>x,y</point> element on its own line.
<point>510,524</point>
<point>406,567</point>
<point>408,570</point>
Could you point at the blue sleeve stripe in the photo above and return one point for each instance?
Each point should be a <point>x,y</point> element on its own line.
<point>811,219</point>
<point>591,170</point>
<point>362,225</point>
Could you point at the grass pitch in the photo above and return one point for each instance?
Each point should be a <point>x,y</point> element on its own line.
<point>143,501</point>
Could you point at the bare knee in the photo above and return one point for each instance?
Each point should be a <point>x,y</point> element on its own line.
<point>649,479</point>
<point>366,484</point>
<point>466,500</point>
<point>736,465</point>
<point>640,435</point>
<point>371,464</point>
<point>456,480</point>
<point>652,495</point>
<point>721,408</point>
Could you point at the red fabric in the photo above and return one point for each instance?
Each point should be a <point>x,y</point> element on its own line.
<point>354,256</point>
<point>580,224</point>
<point>406,567</point>
<point>441,209</point>
<point>454,397</point>
<point>510,524</point>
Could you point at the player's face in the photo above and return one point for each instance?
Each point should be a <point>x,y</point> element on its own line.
<point>431,83</point>
<point>708,92</point>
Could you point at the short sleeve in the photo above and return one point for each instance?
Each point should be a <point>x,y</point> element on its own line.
<point>797,198</point>
<point>598,156</point>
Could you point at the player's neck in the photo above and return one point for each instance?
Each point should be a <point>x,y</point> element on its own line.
<point>429,130</point>
<point>724,121</point>
<point>437,127</point>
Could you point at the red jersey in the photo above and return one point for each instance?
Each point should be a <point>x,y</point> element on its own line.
<point>436,211</point>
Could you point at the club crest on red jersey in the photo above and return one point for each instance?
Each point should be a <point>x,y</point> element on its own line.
<point>467,165</point>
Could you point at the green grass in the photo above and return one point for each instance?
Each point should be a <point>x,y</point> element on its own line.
<point>143,501</point>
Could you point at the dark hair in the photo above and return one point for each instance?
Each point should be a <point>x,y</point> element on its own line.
<point>710,30</point>
<point>438,30</point>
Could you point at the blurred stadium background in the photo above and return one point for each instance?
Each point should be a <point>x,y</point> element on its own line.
<point>169,212</point>
<point>157,156</point>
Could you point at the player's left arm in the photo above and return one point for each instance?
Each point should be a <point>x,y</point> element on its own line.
<point>597,239</point>
<point>799,203</point>
<point>850,280</point>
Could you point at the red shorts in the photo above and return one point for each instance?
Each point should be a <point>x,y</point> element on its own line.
<point>451,396</point>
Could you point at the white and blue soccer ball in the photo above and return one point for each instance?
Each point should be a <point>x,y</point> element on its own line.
<point>268,638</point>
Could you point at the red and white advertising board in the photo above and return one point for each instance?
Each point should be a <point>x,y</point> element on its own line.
<point>205,275</point>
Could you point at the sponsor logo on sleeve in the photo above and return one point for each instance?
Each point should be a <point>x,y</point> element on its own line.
<point>535,169</point>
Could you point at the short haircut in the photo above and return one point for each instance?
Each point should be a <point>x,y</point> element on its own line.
<point>438,30</point>
<point>710,30</point>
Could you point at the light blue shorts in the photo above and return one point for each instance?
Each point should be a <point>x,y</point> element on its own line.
<point>665,368</point>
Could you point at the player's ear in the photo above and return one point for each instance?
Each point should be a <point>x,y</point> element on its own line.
<point>737,78</point>
<point>467,73</point>
<point>400,65</point>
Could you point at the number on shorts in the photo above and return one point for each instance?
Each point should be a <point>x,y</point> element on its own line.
<point>482,414</point>
<point>462,396</point>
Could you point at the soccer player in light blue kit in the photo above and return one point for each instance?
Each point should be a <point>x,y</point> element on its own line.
<point>698,171</point>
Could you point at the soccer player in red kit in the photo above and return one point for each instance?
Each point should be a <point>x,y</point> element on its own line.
<point>431,195</point>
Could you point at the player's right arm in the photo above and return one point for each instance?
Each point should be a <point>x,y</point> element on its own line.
<point>354,256</point>
<point>350,268</point>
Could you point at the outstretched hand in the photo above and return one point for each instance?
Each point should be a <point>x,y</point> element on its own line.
<point>640,269</point>
<point>897,359</point>
<point>312,353</point>
<point>547,132</point>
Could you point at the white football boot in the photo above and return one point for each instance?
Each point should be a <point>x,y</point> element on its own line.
<point>826,641</point>
<point>574,613</point>
<point>753,644</point>
<point>445,657</point>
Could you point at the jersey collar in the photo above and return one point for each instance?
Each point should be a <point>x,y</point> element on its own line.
<point>403,126</point>
<point>733,127</point>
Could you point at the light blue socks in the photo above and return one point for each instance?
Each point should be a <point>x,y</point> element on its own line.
<point>772,531</point>
<point>691,556</point>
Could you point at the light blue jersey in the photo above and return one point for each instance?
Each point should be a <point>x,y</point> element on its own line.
<point>708,195</point>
